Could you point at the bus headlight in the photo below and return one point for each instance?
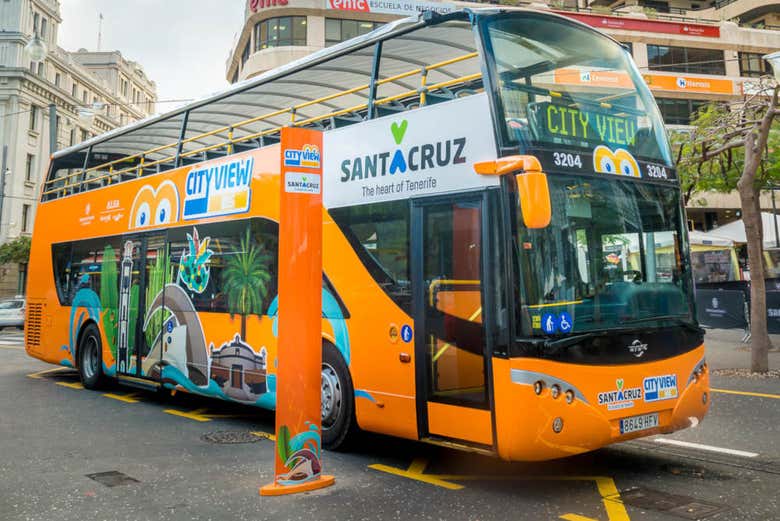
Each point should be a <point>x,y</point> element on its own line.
<point>555,391</point>
<point>557,425</point>
<point>569,396</point>
<point>538,387</point>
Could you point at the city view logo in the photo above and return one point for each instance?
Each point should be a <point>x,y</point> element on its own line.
<point>307,157</point>
<point>218,189</point>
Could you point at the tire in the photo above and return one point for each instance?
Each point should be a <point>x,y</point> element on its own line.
<point>90,358</point>
<point>339,427</point>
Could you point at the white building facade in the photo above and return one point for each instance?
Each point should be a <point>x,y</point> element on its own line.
<point>92,93</point>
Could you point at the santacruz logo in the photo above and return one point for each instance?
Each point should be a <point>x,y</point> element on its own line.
<point>659,388</point>
<point>297,183</point>
<point>218,189</point>
<point>415,158</point>
<point>621,398</point>
<point>307,157</point>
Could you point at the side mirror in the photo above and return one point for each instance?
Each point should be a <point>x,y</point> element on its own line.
<point>534,198</point>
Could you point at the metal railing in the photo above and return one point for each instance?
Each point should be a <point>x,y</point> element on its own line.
<point>110,171</point>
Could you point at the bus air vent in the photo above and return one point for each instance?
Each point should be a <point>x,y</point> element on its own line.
<point>33,324</point>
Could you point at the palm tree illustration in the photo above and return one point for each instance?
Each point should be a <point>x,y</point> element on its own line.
<point>245,281</point>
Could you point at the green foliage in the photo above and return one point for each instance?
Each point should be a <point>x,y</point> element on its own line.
<point>132,317</point>
<point>283,443</point>
<point>17,250</point>
<point>246,279</point>
<point>722,172</point>
<point>109,295</point>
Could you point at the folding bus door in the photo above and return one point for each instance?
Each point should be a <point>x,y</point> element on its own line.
<point>450,341</point>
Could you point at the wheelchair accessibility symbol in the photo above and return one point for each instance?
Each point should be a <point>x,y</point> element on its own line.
<point>565,323</point>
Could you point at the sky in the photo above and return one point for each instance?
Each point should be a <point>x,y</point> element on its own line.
<point>182,45</point>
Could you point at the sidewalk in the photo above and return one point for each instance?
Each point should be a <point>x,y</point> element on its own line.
<point>725,350</point>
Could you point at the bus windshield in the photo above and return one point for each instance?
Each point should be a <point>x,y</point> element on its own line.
<point>612,257</point>
<point>563,85</point>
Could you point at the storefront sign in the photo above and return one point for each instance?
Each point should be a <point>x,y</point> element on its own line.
<point>403,8</point>
<point>647,26</point>
<point>256,5</point>
<point>593,78</point>
<point>420,152</point>
<point>689,84</point>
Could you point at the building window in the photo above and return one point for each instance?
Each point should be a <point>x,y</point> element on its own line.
<point>72,137</point>
<point>26,218</point>
<point>246,53</point>
<point>36,19</point>
<point>57,79</point>
<point>684,59</point>
<point>43,28</point>
<point>40,68</point>
<point>33,117</point>
<point>679,111</point>
<point>751,64</point>
<point>22,285</point>
<point>278,32</point>
<point>629,46</point>
<point>29,167</point>
<point>338,30</point>
<point>84,96</point>
<point>74,89</point>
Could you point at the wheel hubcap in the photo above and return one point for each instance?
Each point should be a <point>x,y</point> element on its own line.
<point>331,396</point>
<point>90,357</point>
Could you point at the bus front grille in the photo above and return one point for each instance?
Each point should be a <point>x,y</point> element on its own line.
<point>33,324</point>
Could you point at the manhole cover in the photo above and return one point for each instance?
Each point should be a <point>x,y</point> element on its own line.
<point>681,506</point>
<point>227,437</point>
<point>112,478</point>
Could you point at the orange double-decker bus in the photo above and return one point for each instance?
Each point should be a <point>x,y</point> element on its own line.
<point>505,263</point>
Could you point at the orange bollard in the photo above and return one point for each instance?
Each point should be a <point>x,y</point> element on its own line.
<point>298,455</point>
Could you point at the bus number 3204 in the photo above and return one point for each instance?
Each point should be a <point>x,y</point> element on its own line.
<point>567,160</point>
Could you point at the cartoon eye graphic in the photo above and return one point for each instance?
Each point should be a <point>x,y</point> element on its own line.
<point>143,216</point>
<point>607,165</point>
<point>163,213</point>
<point>627,168</point>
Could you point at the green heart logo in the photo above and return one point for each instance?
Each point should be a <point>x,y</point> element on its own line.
<point>619,383</point>
<point>399,131</point>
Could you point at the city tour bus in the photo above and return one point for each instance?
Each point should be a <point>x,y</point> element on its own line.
<point>505,261</point>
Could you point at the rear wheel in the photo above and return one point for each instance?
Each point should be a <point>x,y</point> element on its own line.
<point>90,358</point>
<point>339,427</point>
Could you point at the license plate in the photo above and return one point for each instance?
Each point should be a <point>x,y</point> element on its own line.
<point>638,423</point>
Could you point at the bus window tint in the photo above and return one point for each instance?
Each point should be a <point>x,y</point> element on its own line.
<point>217,263</point>
<point>95,266</point>
<point>379,234</point>
<point>561,84</point>
<point>61,264</point>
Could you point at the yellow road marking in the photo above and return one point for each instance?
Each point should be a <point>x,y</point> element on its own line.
<point>417,476</point>
<point>127,398</point>
<point>610,496</point>
<point>196,415</point>
<point>576,517</point>
<point>266,435</point>
<point>746,393</point>
<point>40,374</point>
<point>72,385</point>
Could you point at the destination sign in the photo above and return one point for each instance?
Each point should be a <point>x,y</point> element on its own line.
<point>582,124</point>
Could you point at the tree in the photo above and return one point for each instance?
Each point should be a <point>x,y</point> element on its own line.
<point>727,151</point>
<point>17,250</point>
<point>246,279</point>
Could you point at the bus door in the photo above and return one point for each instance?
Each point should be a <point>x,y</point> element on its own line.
<point>131,283</point>
<point>451,348</point>
<point>153,316</point>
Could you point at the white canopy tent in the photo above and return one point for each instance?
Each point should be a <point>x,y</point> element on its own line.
<point>735,231</point>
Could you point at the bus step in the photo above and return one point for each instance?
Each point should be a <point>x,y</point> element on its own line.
<point>139,383</point>
<point>458,445</point>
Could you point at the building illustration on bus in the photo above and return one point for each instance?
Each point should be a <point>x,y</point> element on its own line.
<point>505,261</point>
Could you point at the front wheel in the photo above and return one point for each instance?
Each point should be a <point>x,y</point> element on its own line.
<point>339,426</point>
<point>90,358</point>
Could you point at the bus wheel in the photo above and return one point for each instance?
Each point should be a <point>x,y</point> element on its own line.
<point>338,401</point>
<point>90,358</point>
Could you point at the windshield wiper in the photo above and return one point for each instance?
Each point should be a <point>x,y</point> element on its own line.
<point>677,319</point>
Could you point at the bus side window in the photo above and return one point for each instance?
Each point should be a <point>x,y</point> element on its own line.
<point>61,264</point>
<point>379,234</point>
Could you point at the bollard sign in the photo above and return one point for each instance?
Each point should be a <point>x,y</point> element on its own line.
<point>298,454</point>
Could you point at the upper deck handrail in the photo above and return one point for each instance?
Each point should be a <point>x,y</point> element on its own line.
<point>231,140</point>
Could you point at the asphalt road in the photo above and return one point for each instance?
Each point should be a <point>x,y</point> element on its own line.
<point>53,435</point>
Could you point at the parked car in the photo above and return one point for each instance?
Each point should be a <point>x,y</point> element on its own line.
<point>12,313</point>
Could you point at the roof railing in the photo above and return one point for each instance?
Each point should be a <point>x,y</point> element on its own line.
<point>106,178</point>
